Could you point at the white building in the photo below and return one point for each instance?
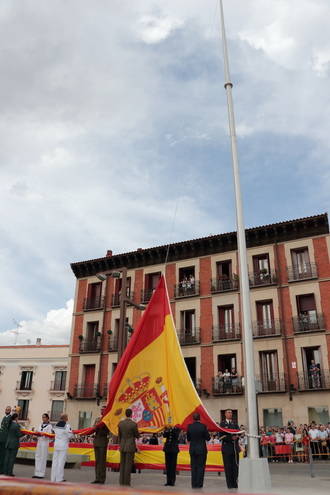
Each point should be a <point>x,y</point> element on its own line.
<point>33,377</point>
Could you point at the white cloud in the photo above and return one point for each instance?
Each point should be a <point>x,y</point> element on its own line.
<point>54,328</point>
<point>155,29</point>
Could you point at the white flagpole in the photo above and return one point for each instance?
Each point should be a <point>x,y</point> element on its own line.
<point>250,388</point>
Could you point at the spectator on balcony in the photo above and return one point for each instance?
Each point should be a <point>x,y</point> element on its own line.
<point>315,374</point>
<point>191,282</point>
<point>219,382</point>
<point>227,381</point>
<point>184,285</point>
<point>234,380</point>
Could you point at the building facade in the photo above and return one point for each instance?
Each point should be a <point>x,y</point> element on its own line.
<point>289,273</point>
<point>33,377</point>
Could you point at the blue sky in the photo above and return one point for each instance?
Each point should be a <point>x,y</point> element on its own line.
<point>122,103</point>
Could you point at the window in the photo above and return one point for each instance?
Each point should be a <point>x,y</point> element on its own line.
<point>151,280</point>
<point>261,265</point>
<point>187,284</point>
<point>312,364</point>
<point>56,410</point>
<point>227,362</point>
<point>265,314</point>
<point>89,377</point>
<point>191,366</point>
<point>300,262</point>
<point>60,380</point>
<point>224,270</point>
<point>269,371</point>
<point>226,318</point>
<point>113,368</point>
<point>94,299</point>
<point>92,330</point>
<point>273,417</point>
<point>26,380</point>
<point>188,321</point>
<point>85,419</point>
<point>23,409</point>
<point>235,415</point>
<point>318,414</point>
<point>118,286</point>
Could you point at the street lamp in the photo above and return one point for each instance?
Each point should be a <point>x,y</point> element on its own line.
<point>123,301</point>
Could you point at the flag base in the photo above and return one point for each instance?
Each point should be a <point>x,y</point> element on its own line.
<point>254,476</point>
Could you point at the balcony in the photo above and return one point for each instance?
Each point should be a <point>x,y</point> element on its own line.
<point>226,385</point>
<point>113,343</point>
<point>271,383</point>
<point>24,388</point>
<point>308,323</point>
<point>267,328</point>
<point>309,381</point>
<point>223,333</point>
<point>189,289</point>
<point>57,387</point>
<point>260,279</point>
<point>305,272</point>
<point>115,301</point>
<point>90,346</point>
<point>86,391</point>
<point>93,303</point>
<point>189,337</point>
<point>224,285</point>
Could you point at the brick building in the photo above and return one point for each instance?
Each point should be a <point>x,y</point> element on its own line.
<point>290,301</point>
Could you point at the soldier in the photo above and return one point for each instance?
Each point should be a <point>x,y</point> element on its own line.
<point>42,448</point>
<point>12,445</point>
<point>230,450</point>
<point>3,435</point>
<point>171,449</point>
<point>101,440</point>
<point>197,435</point>
<point>63,434</point>
<point>127,433</point>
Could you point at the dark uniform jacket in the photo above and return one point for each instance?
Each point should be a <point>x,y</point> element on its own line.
<point>197,435</point>
<point>14,433</point>
<point>172,439</point>
<point>127,433</point>
<point>229,441</point>
<point>101,438</point>
<point>6,420</point>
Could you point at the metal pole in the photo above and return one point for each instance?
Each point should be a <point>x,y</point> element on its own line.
<point>122,333</point>
<point>250,390</point>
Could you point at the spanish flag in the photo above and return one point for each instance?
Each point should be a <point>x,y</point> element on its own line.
<point>151,377</point>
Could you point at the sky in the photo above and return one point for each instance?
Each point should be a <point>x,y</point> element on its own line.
<point>114,134</point>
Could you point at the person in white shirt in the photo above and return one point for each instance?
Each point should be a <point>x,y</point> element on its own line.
<point>42,447</point>
<point>323,442</point>
<point>314,436</point>
<point>63,434</point>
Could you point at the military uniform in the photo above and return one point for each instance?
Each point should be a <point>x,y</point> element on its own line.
<point>6,420</point>
<point>171,449</point>
<point>127,433</point>
<point>230,453</point>
<point>197,435</point>
<point>101,440</point>
<point>12,446</point>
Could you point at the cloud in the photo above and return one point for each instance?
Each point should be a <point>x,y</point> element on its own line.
<point>155,29</point>
<point>54,328</point>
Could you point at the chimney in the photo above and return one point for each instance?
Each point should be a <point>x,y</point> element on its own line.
<point>38,341</point>
<point>109,253</point>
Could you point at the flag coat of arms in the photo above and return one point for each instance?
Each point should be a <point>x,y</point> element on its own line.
<point>151,377</point>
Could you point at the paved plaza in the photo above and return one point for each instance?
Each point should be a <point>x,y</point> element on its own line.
<point>286,479</point>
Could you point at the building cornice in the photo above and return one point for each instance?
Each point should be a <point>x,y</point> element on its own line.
<point>256,236</point>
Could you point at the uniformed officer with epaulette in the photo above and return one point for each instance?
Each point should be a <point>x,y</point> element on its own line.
<point>171,449</point>
<point>230,449</point>
<point>5,423</point>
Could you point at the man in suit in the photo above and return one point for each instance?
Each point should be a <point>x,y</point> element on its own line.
<point>12,445</point>
<point>171,449</point>
<point>101,440</point>
<point>127,434</point>
<point>5,422</point>
<point>230,450</point>
<point>197,435</point>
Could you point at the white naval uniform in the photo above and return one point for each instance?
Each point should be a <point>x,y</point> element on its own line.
<point>62,438</point>
<point>42,450</point>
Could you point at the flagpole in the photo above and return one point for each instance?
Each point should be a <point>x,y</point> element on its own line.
<point>250,388</point>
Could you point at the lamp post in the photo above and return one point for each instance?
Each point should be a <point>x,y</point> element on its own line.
<point>123,301</point>
<point>254,473</point>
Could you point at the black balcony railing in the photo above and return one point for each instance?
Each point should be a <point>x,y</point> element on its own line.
<point>227,385</point>
<point>232,332</point>
<point>308,323</point>
<point>224,284</point>
<point>91,303</point>
<point>267,328</point>
<point>186,289</point>
<point>113,343</point>
<point>275,382</point>
<point>316,380</point>
<point>85,391</point>
<point>189,336</point>
<point>115,301</point>
<point>261,278</point>
<point>306,271</point>
<point>146,295</point>
<point>57,386</point>
<point>24,387</point>
<point>90,346</point>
